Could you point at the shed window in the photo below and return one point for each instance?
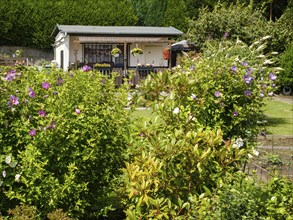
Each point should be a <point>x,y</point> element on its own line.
<point>97,53</point>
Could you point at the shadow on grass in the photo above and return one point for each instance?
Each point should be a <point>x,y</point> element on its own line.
<point>274,122</point>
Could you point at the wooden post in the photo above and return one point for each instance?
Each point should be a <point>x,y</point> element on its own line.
<point>125,58</point>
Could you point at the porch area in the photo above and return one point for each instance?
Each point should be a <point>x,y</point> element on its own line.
<point>138,73</point>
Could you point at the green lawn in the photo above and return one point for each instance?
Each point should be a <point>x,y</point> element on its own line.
<point>143,113</point>
<point>280,118</point>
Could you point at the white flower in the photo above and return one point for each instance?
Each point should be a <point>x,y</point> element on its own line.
<point>250,156</point>
<point>266,37</point>
<point>255,152</point>
<point>238,143</point>
<point>176,110</point>
<point>4,173</point>
<point>268,62</point>
<point>164,94</point>
<point>17,177</point>
<point>8,159</point>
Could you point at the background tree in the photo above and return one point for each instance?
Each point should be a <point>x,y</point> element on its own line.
<point>176,15</point>
<point>233,21</point>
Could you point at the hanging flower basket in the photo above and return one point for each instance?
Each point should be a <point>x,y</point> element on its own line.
<point>166,54</point>
<point>136,51</point>
<point>115,52</point>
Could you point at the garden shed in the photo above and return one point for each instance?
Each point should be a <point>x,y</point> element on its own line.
<point>76,45</point>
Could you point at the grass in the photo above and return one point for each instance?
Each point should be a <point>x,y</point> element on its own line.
<point>279,117</point>
<point>147,113</point>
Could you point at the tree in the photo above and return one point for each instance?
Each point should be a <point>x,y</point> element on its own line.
<point>175,15</point>
<point>233,21</point>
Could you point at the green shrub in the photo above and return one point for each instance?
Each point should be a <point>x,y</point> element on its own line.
<point>286,62</point>
<point>233,21</point>
<point>244,197</point>
<point>208,111</point>
<point>67,133</point>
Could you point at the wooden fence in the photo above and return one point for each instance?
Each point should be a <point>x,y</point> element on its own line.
<point>12,61</point>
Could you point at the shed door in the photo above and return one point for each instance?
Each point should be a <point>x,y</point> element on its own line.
<point>153,55</point>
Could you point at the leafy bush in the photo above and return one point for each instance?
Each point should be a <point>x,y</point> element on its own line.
<point>208,112</point>
<point>243,197</point>
<point>232,22</point>
<point>63,137</point>
<point>286,62</point>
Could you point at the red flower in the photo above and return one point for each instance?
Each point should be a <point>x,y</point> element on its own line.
<point>166,54</point>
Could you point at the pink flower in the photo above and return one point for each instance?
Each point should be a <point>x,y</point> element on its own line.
<point>42,113</point>
<point>218,93</point>
<point>31,93</point>
<point>86,68</point>
<point>46,85</point>
<point>13,100</point>
<point>77,111</point>
<point>32,132</point>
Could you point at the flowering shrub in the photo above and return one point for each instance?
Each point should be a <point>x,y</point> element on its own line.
<point>63,138</point>
<point>207,113</point>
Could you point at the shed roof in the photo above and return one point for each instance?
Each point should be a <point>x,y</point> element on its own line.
<point>116,30</point>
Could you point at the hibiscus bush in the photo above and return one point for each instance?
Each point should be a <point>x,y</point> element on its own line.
<point>63,137</point>
<point>208,113</point>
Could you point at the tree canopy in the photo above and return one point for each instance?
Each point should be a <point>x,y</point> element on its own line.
<point>30,22</point>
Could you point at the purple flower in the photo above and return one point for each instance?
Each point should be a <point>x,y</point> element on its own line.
<point>193,96</point>
<point>273,85</point>
<point>42,113</point>
<point>52,125</point>
<point>273,76</point>
<point>226,34</point>
<point>244,63</point>
<point>46,85</point>
<point>218,93</point>
<point>31,93</point>
<point>77,111</point>
<point>261,95</point>
<point>247,79</point>
<point>233,68</point>
<point>271,93</point>
<point>59,81</point>
<point>13,100</point>
<point>86,68</point>
<point>247,92</point>
<point>32,132</point>
<point>235,113</point>
<point>11,75</point>
<point>249,70</point>
<point>191,68</point>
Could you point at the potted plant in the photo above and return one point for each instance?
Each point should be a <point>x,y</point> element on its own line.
<point>115,52</point>
<point>136,51</point>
